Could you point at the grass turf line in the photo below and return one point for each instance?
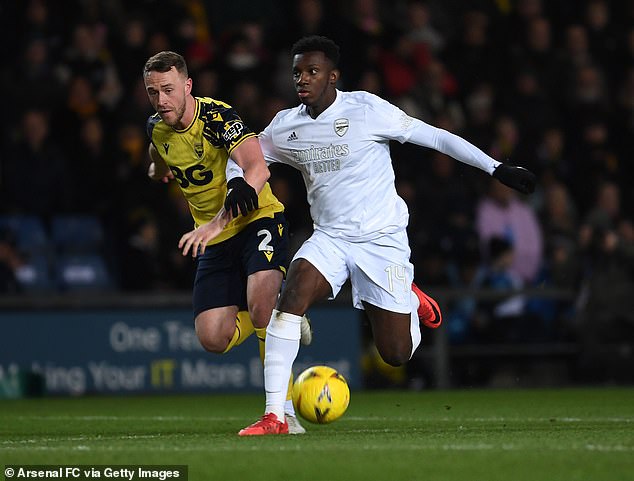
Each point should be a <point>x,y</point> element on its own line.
<point>532,435</point>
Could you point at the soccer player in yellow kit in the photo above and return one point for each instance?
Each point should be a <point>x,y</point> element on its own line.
<point>239,273</point>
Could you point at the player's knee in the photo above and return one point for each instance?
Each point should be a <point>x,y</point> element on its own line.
<point>212,339</point>
<point>291,300</point>
<point>396,359</point>
<point>212,344</point>
<point>260,314</point>
<point>395,355</point>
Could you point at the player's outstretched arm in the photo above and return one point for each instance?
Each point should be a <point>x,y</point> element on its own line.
<point>518,178</point>
<point>460,149</point>
<point>158,169</point>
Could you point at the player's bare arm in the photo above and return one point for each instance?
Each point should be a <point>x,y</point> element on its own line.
<point>196,241</point>
<point>248,155</point>
<point>158,169</point>
<point>242,192</point>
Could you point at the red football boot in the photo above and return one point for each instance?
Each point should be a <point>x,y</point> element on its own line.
<point>428,310</point>
<point>268,424</point>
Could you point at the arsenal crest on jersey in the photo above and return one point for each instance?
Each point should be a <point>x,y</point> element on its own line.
<point>341,127</point>
<point>198,148</point>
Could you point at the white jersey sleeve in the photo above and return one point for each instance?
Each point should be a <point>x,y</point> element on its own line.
<point>233,170</point>
<point>268,149</point>
<point>390,122</point>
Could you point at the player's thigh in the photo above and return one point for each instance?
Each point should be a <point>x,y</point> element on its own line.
<point>391,332</point>
<point>304,286</point>
<point>317,272</point>
<point>381,273</point>
<point>219,280</point>
<point>264,260</point>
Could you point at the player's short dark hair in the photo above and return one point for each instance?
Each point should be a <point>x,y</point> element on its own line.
<point>317,43</point>
<point>164,61</point>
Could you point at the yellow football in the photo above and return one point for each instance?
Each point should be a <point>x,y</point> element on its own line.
<point>321,395</point>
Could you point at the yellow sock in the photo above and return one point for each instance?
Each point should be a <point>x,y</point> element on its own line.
<point>244,328</point>
<point>260,332</point>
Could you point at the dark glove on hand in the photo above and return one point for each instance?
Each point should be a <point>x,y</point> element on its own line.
<point>240,196</point>
<point>516,177</point>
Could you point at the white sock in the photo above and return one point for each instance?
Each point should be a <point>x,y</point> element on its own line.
<point>280,351</point>
<point>289,408</point>
<point>414,327</point>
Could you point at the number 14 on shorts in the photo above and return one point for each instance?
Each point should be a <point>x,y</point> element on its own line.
<point>397,278</point>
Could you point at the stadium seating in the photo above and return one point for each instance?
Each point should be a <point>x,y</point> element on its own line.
<point>35,275</point>
<point>30,233</point>
<point>66,258</point>
<point>77,234</point>
<point>82,272</point>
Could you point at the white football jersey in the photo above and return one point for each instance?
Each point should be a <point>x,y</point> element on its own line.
<point>344,158</point>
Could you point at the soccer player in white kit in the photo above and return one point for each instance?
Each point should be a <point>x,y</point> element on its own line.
<point>339,141</point>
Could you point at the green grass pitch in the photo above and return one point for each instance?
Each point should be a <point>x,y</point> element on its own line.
<point>509,435</point>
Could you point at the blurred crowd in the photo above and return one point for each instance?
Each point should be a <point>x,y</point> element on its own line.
<point>548,85</point>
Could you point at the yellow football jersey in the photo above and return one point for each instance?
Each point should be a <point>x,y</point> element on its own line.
<point>197,156</point>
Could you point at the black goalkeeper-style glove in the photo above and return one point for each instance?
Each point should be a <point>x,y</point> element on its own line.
<point>518,178</point>
<point>240,196</point>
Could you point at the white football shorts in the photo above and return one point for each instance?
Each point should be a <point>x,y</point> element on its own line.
<point>379,270</point>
